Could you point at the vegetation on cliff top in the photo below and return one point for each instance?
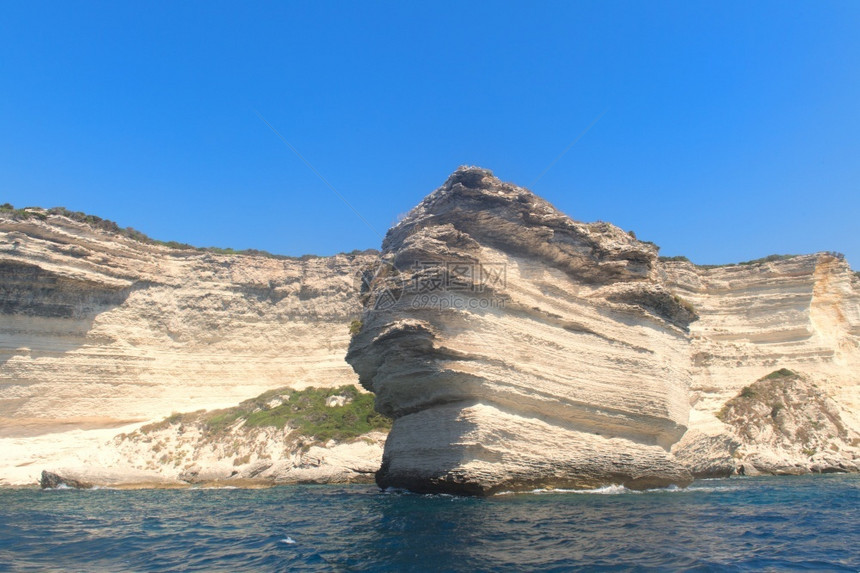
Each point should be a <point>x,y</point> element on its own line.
<point>309,412</point>
<point>24,213</point>
<point>762,260</point>
<point>132,233</point>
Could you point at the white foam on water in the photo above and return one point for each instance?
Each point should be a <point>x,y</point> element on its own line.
<point>615,489</point>
<point>612,489</point>
<point>288,540</point>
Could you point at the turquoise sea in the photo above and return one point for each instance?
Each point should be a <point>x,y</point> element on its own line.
<point>745,524</point>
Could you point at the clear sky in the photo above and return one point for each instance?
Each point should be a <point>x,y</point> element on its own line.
<point>727,130</point>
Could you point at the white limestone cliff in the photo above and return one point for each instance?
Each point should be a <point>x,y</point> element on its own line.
<point>798,313</point>
<point>99,331</point>
<point>571,371</point>
<point>592,362</point>
<point>515,348</point>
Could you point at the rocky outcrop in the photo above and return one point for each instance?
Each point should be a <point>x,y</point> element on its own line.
<point>516,348</point>
<point>785,415</point>
<point>50,480</point>
<point>801,314</point>
<point>283,436</point>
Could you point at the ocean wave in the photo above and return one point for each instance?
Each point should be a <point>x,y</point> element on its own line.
<point>616,489</point>
<point>214,487</point>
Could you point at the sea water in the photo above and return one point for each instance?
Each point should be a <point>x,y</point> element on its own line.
<point>743,524</point>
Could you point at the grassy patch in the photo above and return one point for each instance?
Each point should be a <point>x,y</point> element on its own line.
<point>685,304</point>
<point>678,258</point>
<point>305,411</point>
<point>768,259</point>
<point>781,373</point>
<point>747,392</point>
<point>23,214</point>
<point>355,327</point>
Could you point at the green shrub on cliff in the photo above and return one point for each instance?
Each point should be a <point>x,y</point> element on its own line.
<point>768,259</point>
<point>781,373</point>
<point>23,214</point>
<point>305,411</point>
<point>685,304</point>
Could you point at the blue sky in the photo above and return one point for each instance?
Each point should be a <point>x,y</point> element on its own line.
<point>727,130</point>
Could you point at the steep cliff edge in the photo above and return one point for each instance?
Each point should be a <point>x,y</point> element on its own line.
<point>96,325</point>
<point>98,330</point>
<point>797,313</point>
<point>516,348</point>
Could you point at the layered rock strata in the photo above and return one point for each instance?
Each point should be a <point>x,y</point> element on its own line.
<point>801,314</point>
<point>99,329</point>
<point>516,348</point>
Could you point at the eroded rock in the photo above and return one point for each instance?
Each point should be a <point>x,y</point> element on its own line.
<point>522,349</point>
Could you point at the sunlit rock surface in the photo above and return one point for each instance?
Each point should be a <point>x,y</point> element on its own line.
<point>98,329</point>
<point>516,348</point>
<point>801,314</point>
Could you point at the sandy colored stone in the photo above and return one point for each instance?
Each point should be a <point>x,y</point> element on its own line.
<point>600,364</point>
<point>586,362</point>
<point>99,331</point>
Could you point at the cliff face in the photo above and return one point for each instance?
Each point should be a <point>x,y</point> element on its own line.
<point>516,348</point>
<point>97,329</point>
<point>801,314</point>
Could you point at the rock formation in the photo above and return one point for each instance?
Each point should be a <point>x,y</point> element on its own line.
<point>524,349</point>
<point>797,313</point>
<point>283,436</point>
<point>99,330</point>
<point>516,348</point>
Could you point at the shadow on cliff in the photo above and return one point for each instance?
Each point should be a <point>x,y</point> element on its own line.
<point>46,314</point>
